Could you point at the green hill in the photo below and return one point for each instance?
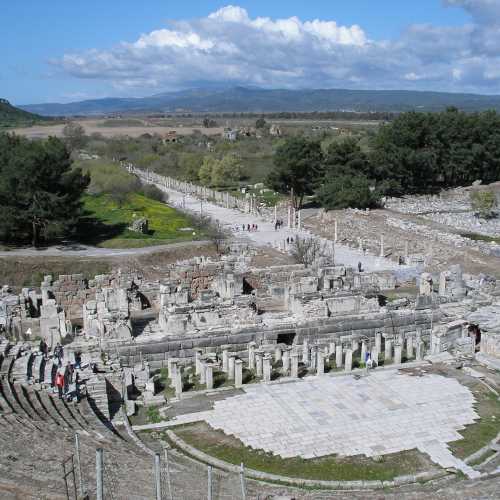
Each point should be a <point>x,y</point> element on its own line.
<point>255,100</point>
<point>10,116</point>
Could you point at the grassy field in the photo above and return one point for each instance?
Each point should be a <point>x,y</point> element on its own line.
<point>106,223</point>
<point>230,449</point>
<point>481,433</point>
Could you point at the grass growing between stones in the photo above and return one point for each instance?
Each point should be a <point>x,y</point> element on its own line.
<point>331,468</point>
<point>106,222</point>
<point>477,435</point>
<point>482,458</point>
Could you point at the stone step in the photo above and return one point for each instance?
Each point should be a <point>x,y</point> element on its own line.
<point>48,403</point>
<point>6,390</point>
<point>33,403</point>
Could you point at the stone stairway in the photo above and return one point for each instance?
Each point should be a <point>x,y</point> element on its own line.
<point>98,396</point>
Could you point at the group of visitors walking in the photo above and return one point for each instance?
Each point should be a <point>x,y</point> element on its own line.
<point>278,224</point>
<point>250,227</point>
<point>63,375</point>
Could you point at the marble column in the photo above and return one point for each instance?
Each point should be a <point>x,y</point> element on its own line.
<point>286,361</point>
<point>409,347</point>
<point>382,254</point>
<point>314,357</point>
<point>348,360</point>
<point>338,356</point>
<point>203,372</point>
<point>225,360</point>
<point>172,370</point>
<point>388,349</point>
<point>335,234</point>
<point>277,353</point>
<point>209,371</point>
<point>258,363</point>
<point>419,350</point>
<point>363,351</point>
<point>266,368</point>
<point>251,355</point>
<point>378,342</point>
<point>320,363</point>
<point>398,354</point>
<point>197,361</point>
<point>230,371</point>
<point>178,384</point>
<point>238,373</point>
<point>294,365</point>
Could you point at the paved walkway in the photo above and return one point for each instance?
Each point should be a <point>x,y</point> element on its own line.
<point>382,413</point>
<point>78,250</point>
<point>234,220</point>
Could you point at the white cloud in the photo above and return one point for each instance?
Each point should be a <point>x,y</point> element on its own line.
<point>229,46</point>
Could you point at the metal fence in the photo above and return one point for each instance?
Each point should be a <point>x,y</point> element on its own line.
<point>105,475</point>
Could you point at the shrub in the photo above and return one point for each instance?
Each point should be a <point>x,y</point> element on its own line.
<point>155,193</point>
<point>483,203</point>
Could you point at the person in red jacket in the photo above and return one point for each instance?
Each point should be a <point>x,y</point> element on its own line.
<point>60,383</point>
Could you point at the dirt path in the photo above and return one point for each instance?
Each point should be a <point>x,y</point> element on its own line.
<point>78,250</point>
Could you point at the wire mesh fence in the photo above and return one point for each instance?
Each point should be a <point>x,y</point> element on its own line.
<point>105,474</point>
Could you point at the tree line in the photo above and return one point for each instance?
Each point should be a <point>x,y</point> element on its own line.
<point>417,153</point>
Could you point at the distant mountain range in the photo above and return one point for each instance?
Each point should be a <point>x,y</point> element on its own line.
<point>10,116</point>
<point>254,100</point>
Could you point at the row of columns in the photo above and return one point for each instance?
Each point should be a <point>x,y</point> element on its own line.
<point>312,356</point>
<point>223,198</point>
<point>294,220</point>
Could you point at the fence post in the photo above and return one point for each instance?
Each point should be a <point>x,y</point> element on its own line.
<point>242,481</point>
<point>99,471</point>
<point>209,470</point>
<point>65,475</point>
<point>79,464</point>
<point>169,484</point>
<point>74,477</point>
<point>157,476</point>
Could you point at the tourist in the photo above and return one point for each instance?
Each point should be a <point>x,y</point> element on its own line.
<point>70,368</point>
<point>78,359</point>
<point>360,267</point>
<point>243,227</point>
<point>66,376</point>
<point>60,383</point>
<point>256,227</point>
<point>44,348</point>
<point>59,353</point>
<point>288,241</point>
<point>248,227</point>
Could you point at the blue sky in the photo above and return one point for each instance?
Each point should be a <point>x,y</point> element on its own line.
<point>59,50</point>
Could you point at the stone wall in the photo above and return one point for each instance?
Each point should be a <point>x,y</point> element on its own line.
<point>325,330</point>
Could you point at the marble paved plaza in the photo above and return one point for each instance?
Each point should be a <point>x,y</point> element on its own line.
<point>385,412</point>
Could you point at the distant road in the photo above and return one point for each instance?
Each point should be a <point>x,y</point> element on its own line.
<point>95,126</point>
<point>77,250</point>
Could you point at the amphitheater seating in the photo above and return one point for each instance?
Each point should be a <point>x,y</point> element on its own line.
<point>37,432</point>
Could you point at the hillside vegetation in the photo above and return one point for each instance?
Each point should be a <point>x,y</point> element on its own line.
<point>10,116</point>
<point>255,100</point>
<point>115,198</point>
